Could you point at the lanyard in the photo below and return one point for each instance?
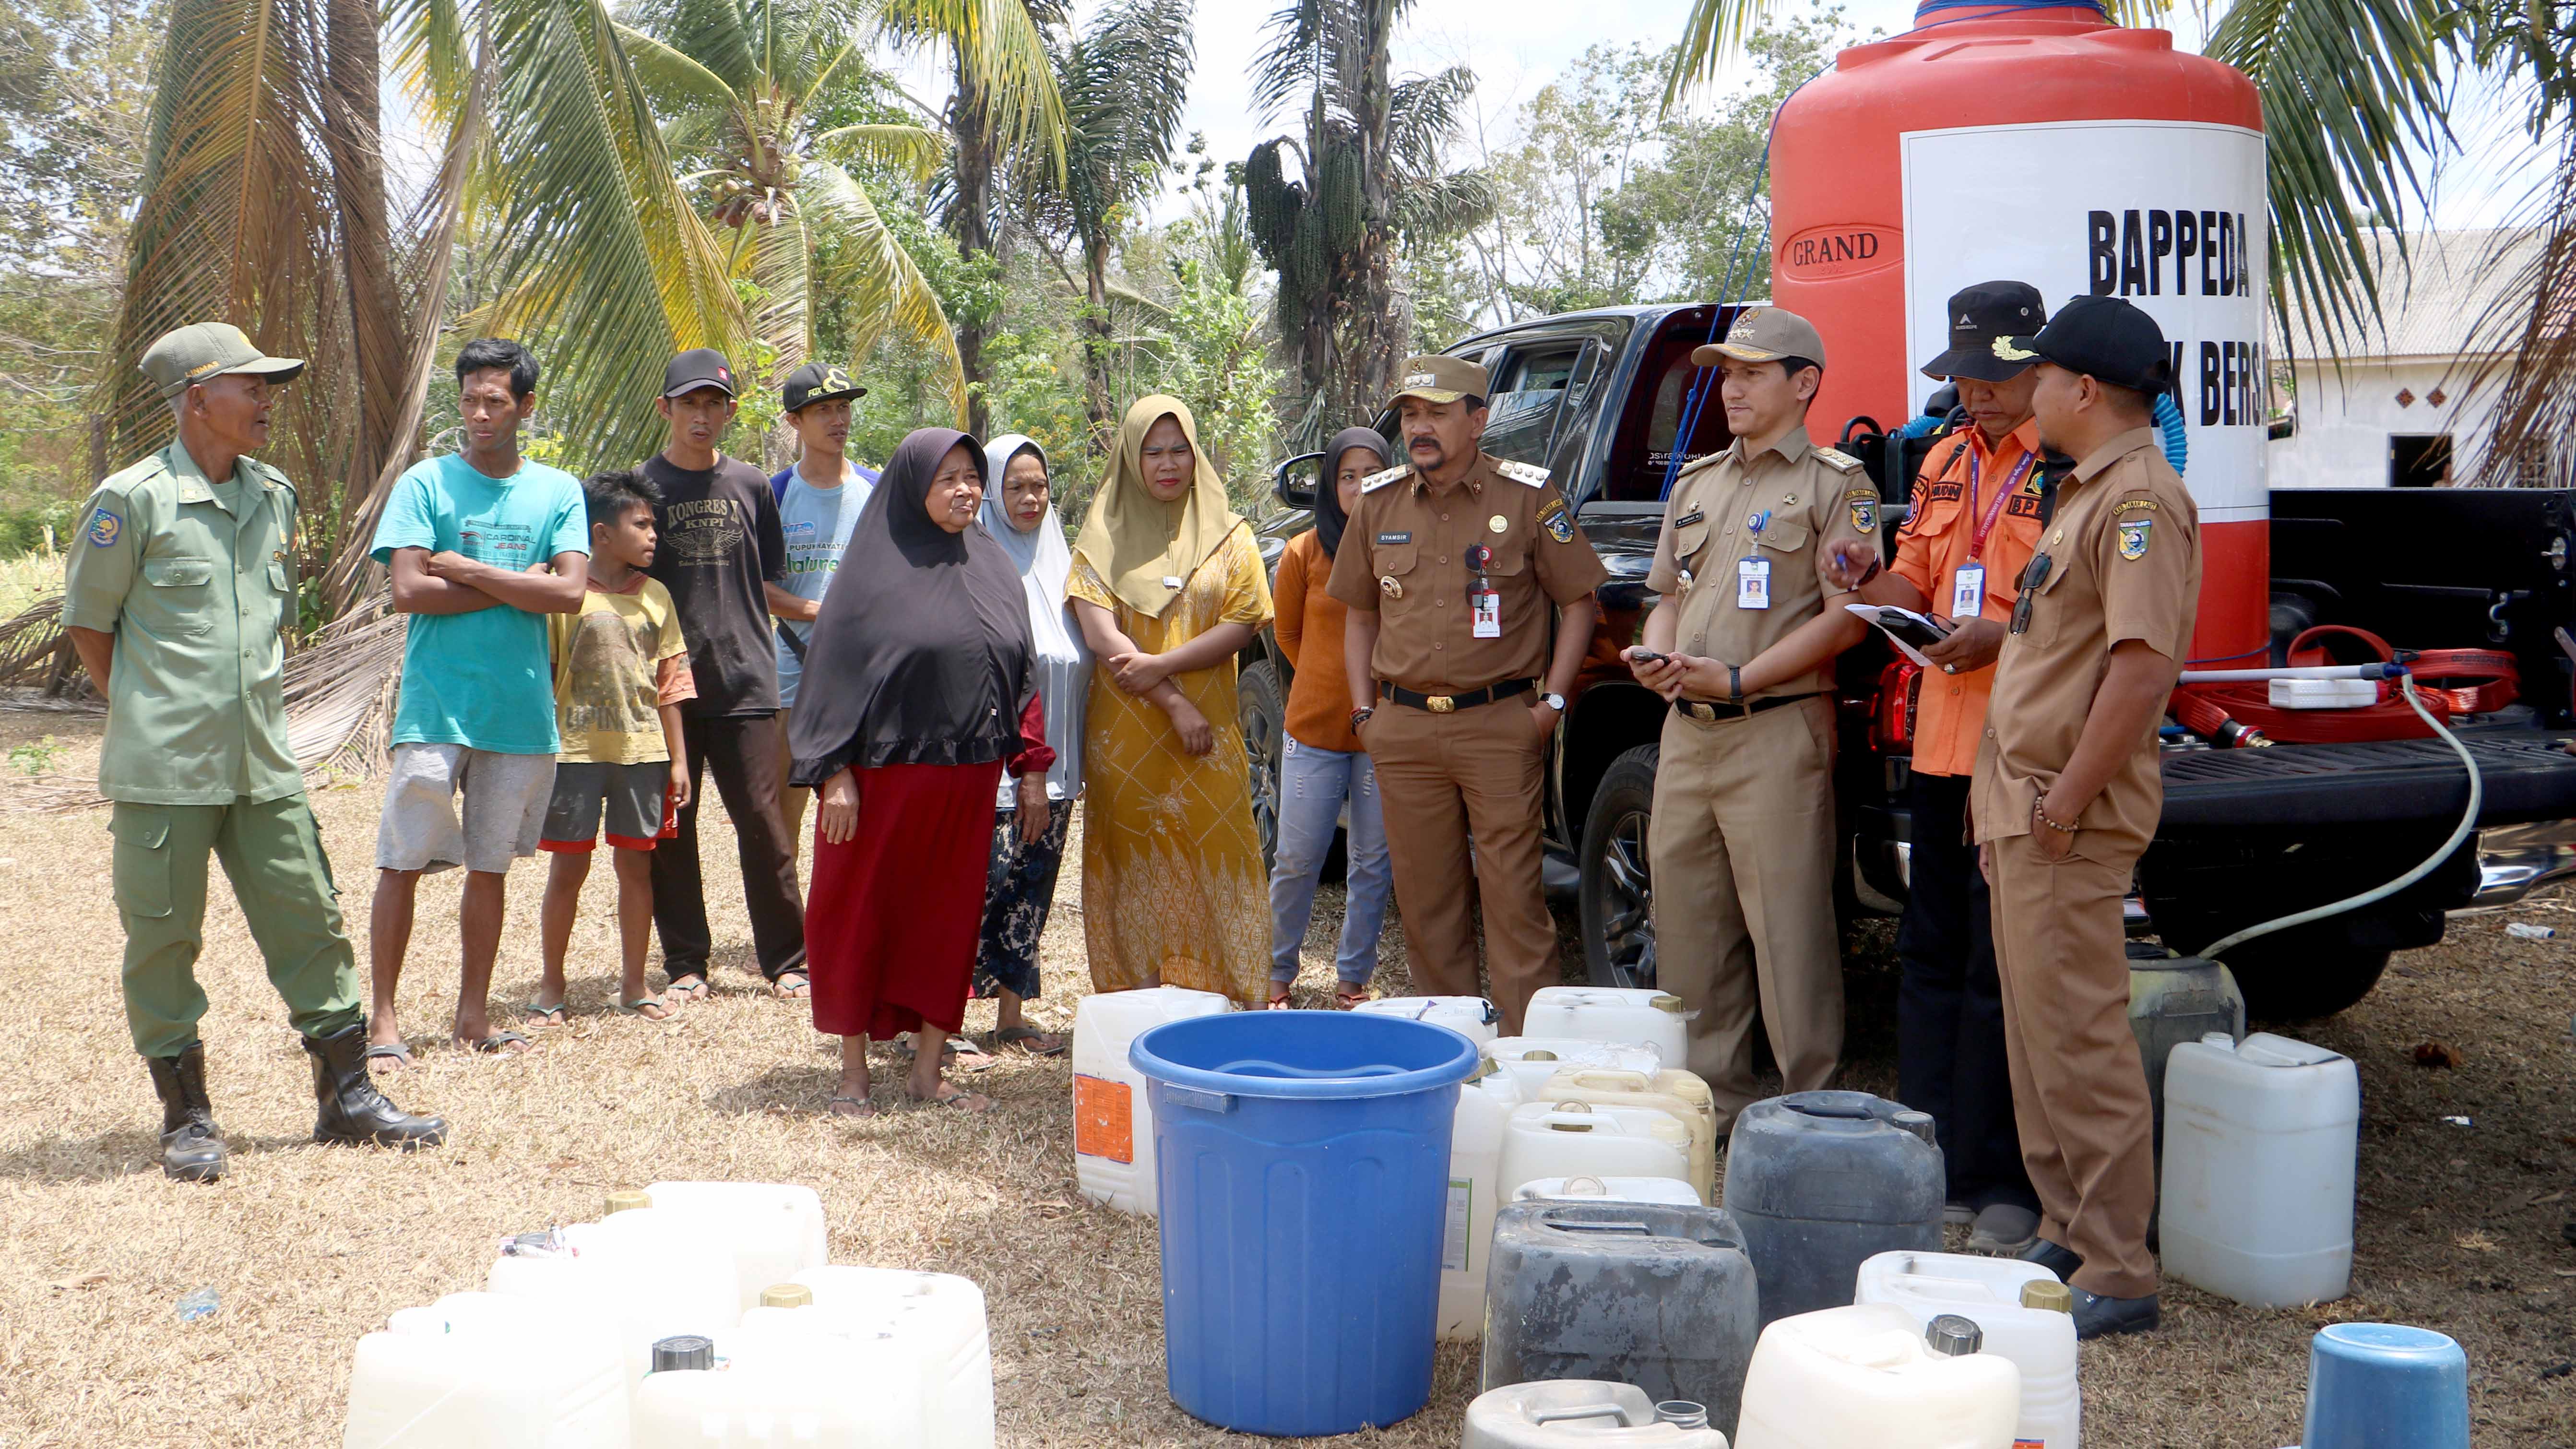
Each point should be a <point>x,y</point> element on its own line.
<point>1986,525</point>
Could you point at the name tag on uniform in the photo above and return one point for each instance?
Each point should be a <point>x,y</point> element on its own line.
<point>1485,603</point>
<point>1968,591</point>
<point>1753,583</point>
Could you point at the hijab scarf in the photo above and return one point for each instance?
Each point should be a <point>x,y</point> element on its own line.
<point>1330,520</point>
<point>922,653</point>
<point>1134,540</point>
<point>1063,665</point>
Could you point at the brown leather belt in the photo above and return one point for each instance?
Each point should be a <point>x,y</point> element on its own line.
<point>1707,712</point>
<point>1452,703</point>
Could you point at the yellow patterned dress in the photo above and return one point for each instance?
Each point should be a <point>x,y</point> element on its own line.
<point>1173,892</point>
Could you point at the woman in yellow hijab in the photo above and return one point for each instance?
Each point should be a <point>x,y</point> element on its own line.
<point>1167,587</point>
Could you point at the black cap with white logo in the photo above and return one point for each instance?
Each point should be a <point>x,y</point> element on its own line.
<point>696,368</point>
<point>818,382</point>
<point>1979,315</point>
<point>2103,337</point>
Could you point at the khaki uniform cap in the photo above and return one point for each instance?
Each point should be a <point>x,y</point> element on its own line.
<point>204,351</point>
<point>1439,379</point>
<point>1764,334</point>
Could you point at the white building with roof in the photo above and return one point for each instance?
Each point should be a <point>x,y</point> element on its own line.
<point>2405,405</point>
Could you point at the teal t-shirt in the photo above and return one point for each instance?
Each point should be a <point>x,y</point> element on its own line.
<point>482,679</point>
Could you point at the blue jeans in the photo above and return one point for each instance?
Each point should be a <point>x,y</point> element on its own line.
<point>1312,785</point>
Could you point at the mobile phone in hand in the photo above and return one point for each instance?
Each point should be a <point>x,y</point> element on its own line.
<point>1648,656</point>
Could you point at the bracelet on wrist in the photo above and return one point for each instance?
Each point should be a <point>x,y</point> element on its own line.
<point>1734,684</point>
<point>2039,812</point>
<point>1361,716</point>
<point>1875,569</point>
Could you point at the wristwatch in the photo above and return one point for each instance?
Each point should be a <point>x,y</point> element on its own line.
<point>1360,716</point>
<point>1553,701</point>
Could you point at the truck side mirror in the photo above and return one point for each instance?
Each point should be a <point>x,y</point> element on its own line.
<point>1296,479</point>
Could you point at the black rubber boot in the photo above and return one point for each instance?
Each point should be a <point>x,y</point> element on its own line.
<point>352,1110</point>
<point>191,1149</point>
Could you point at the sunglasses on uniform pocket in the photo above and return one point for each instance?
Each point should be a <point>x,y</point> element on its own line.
<point>2031,578</point>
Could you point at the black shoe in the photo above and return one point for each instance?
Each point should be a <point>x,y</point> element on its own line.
<point>191,1150</point>
<point>2060,1261</point>
<point>2099,1315</point>
<point>352,1110</point>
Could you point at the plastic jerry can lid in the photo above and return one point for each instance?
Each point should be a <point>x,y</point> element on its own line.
<point>1682,1414</point>
<point>684,1351</point>
<point>1666,1001</point>
<point>1586,1187</point>
<point>1541,1055</point>
<point>786,1295</point>
<point>1951,1335</point>
<point>2048,1294</point>
<point>1578,1109</point>
<point>1918,1123</point>
<point>625,1198</point>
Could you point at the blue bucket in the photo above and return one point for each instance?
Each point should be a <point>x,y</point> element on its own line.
<point>1302,1166</point>
<point>2373,1384</point>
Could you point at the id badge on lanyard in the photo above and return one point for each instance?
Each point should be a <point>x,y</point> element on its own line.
<point>1753,572</point>
<point>1968,585</point>
<point>1484,601</point>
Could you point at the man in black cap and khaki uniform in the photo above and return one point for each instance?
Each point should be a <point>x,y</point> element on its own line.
<point>1455,565</point>
<point>2067,794</point>
<point>181,576</point>
<point>1742,642</point>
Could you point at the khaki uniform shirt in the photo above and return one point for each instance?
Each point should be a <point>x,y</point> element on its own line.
<point>2124,563</point>
<point>194,579</point>
<point>1404,558</point>
<point>1814,495</point>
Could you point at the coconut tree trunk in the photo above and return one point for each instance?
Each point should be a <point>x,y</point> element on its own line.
<point>970,222</point>
<point>378,341</point>
<point>1097,341</point>
<point>1381,329</point>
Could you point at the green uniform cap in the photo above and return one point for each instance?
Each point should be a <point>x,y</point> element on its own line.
<point>1439,379</point>
<point>1764,334</point>
<point>204,351</point>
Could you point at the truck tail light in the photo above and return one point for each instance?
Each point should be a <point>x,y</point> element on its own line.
<point>1893,729</point>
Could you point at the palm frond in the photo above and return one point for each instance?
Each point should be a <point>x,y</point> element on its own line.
<point>1004,44</point>
<point>722,37</point>
<point>1125,83</point>
<point>674,78</point>
<point>1423,115</point>
<point>871,269</point>
<point>1716,28</point>
<point>917,149</point>
<point>1444,205</point>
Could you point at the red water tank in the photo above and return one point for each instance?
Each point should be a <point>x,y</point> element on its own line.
<point>2044,145</point>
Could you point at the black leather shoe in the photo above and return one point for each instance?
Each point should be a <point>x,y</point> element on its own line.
<point>2060,1261</point>
<point>352,1110</point>
<point>2098,1315</point>
<point>191,1149</point>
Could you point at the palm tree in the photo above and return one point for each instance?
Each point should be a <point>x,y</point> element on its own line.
<point>1368,171</point>
<point>1124,80</point>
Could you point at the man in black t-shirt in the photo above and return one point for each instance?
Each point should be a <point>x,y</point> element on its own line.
<point>722,557</point>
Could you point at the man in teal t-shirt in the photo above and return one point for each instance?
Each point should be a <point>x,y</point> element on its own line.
<point>482,544</point>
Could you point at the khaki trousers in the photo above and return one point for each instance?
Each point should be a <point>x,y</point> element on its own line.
<point>1445,780</point>
<point>1742,845</point>
<point>2079,1089</point>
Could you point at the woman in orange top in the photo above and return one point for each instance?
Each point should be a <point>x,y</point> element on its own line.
<point>1323,764</point>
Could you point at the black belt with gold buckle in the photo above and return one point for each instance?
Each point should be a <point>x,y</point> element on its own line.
<point>1452,703</point>
<point>1709,713</point>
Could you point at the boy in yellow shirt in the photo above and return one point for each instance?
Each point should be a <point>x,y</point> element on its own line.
<point>621,669</point>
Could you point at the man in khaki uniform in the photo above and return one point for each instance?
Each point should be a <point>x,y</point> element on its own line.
<point>1450,566</point>
<point>2067,794</point>
<point>1742,643</point>
<point>180,578</point>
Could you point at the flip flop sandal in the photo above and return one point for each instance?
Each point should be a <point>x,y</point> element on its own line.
<point>792,986</point>
<point>866,1108</point>
<point>1026,1037</point>
<point>395,1052</point>
<point>689,987</point>
<point>1347,997</point>
<point>962,1101</point>
<point>636,1008</point>
<point>543,1015</point>
<point>502,1044</point>
<point>1279,1000</point>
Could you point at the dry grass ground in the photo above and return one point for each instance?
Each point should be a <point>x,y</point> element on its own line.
<point>310,1248</point>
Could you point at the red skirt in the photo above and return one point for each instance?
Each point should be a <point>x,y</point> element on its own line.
<point>894,912</point>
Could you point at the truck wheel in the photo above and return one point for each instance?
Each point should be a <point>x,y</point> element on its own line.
<point>2284,982</point>
<point>1616,895</point>
<point>1263,713</point>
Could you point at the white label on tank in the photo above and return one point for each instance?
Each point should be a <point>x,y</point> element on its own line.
<point>2167,214</point>
<point>1453,1240</point>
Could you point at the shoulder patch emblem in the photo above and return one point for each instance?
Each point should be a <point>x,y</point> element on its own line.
<point>2134,537</point>
<point>104,529</point>
<point>1840,462</point>
<point>1557,519</point>
<point>1520,472</point>
<point>1376,481</point>
<point>1864,510</point>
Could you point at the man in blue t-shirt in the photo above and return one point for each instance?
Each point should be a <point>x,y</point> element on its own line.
<point>820,498</point>
<point>482,544</point>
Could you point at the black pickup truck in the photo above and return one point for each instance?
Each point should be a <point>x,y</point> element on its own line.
<point>1599,399</point>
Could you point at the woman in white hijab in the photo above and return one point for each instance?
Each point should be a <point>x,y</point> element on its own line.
<point>1019,510</point>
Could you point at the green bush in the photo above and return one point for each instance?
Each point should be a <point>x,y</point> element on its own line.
<point>22,530</point>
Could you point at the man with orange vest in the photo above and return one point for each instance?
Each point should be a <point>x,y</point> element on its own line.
<point>1972,529</point>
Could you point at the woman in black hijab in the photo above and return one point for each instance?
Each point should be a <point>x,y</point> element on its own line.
<point>918,694</point>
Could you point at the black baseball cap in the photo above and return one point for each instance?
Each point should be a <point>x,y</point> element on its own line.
<point>696,368</point>
<point>818,382</point>
<point>2102,337</point>
<point>1979,315</point>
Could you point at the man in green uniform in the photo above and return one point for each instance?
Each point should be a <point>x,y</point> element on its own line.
<point>181,575</point>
